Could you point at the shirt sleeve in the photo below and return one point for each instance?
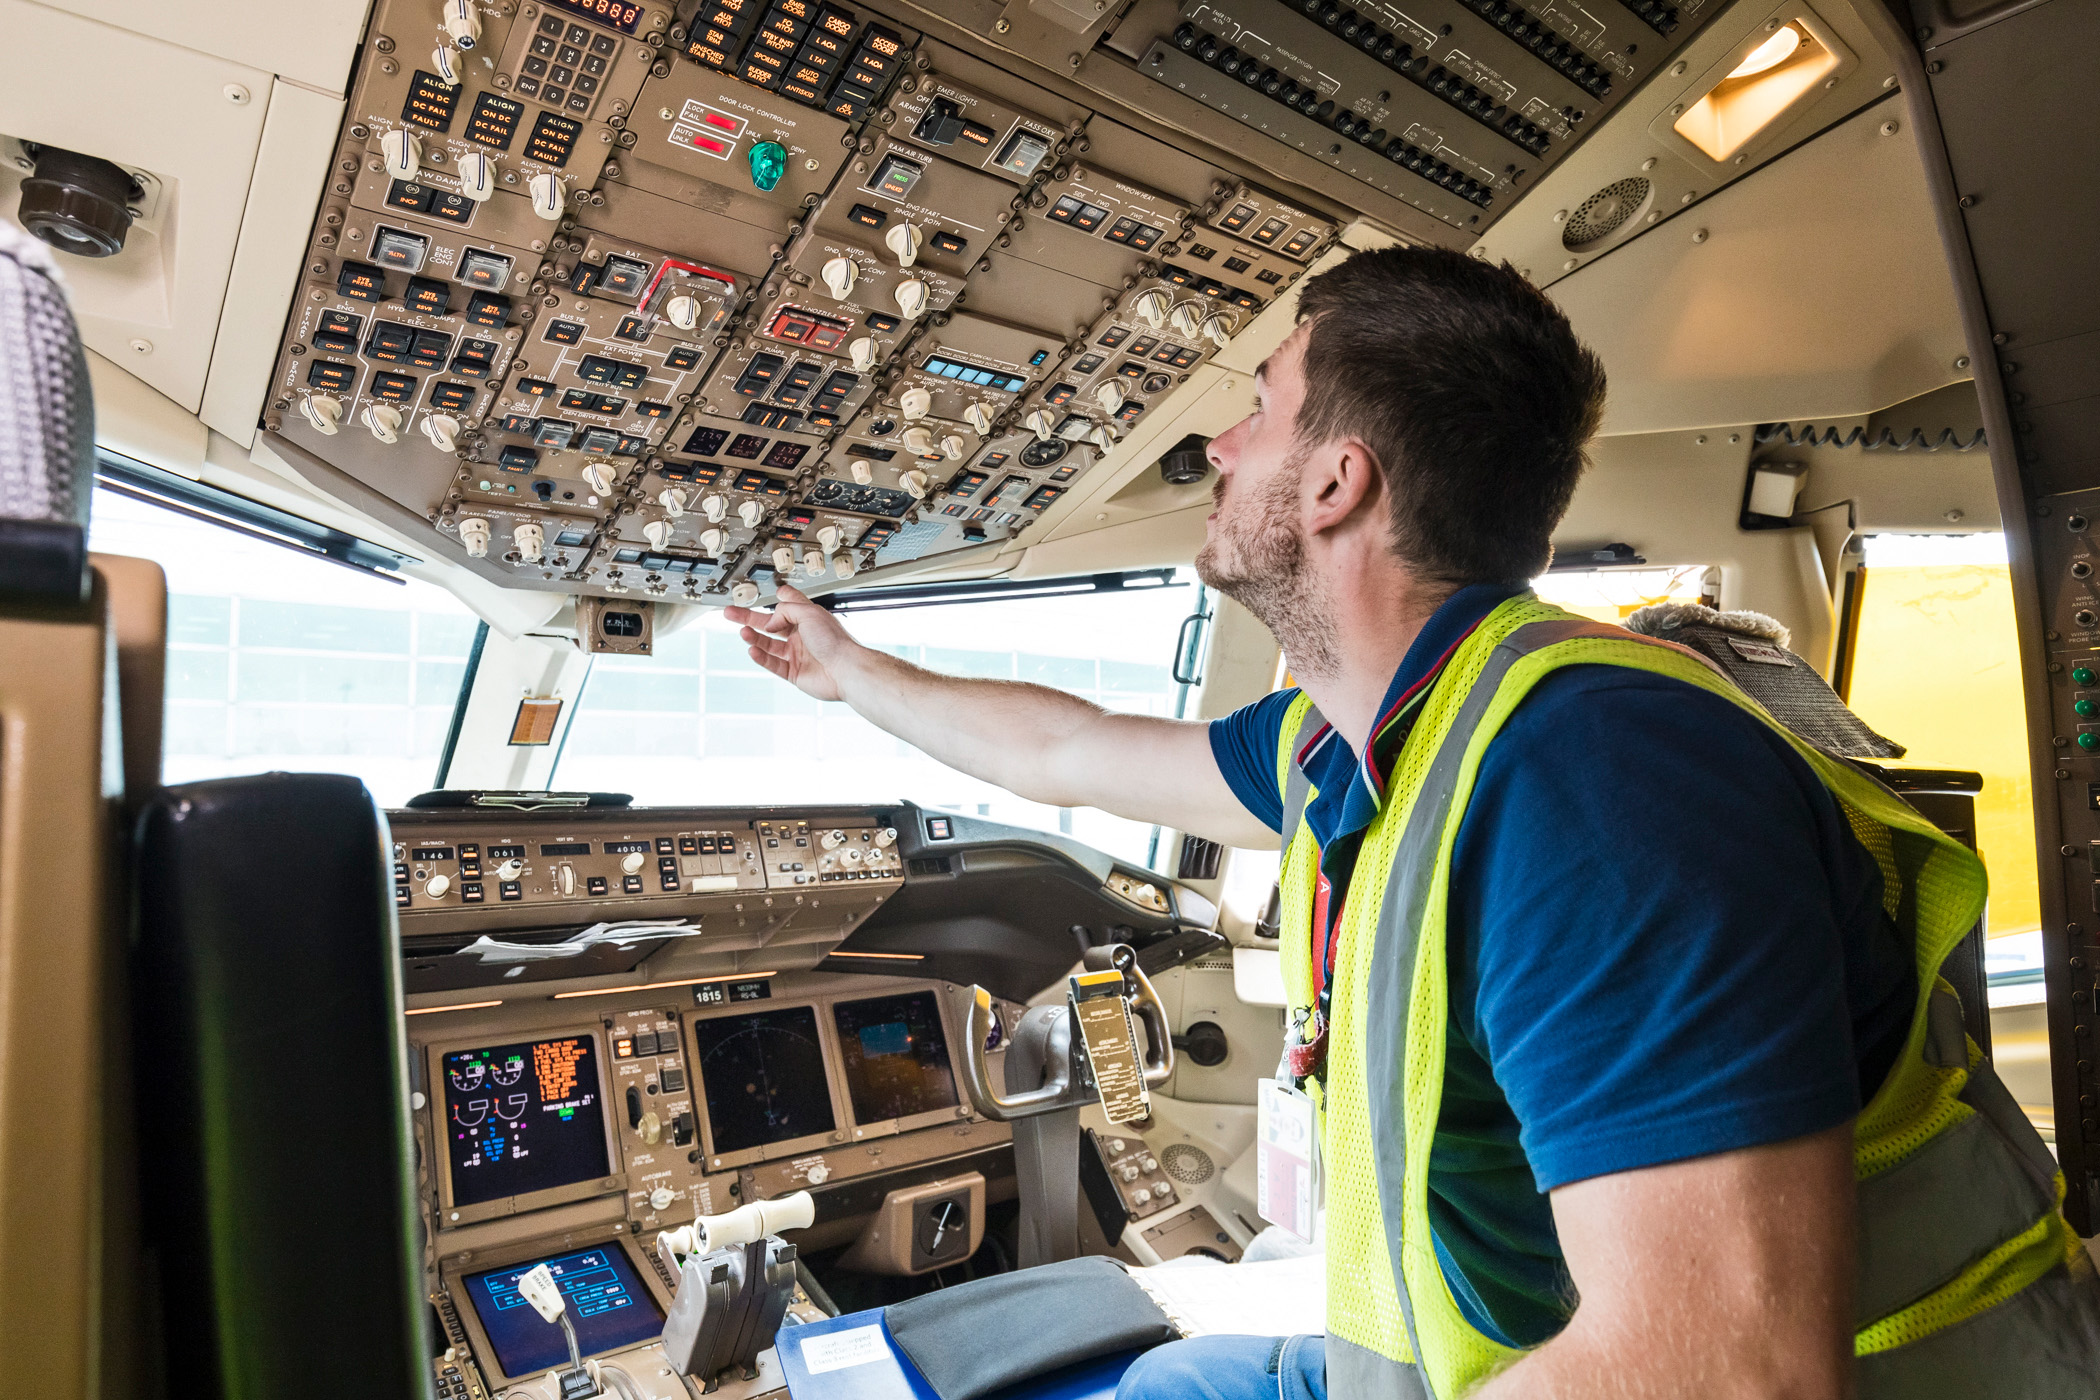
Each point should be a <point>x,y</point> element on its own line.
<point>1664,914</point>
<point>1244,744</point>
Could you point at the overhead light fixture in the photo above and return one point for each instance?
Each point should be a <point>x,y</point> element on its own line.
<point>1780,73</point>
<point>1770,54</point>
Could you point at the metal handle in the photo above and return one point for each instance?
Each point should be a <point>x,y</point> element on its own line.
<point>1184,653</point>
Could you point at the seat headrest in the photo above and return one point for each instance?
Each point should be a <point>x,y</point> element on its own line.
<point>47,428</point>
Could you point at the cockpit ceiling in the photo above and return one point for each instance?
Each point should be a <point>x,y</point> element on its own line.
<point>894,290</point>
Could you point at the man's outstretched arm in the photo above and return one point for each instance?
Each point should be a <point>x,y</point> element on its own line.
<point>1035,742</point>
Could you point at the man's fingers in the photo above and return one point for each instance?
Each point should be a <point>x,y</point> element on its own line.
<point>759,641</point>
<point>775,664</point>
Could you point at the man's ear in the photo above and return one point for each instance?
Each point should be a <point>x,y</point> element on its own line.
<point>1341,479</point>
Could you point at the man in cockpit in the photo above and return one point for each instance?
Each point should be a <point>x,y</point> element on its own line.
<point>1617,1002</point>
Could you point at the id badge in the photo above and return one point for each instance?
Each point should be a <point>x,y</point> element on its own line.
<point>1286,1155</point>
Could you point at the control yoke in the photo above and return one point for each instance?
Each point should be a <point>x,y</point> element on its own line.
<point>1045,1037</point>
<point>1051,1075</point>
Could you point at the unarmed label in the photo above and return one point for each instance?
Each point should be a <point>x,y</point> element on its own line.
<point>1760,652</point>
<point>1283,1158</point>
<point>1111,1045</point>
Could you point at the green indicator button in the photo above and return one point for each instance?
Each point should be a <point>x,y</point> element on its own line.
<point>2089,742</point>
<point>2083,675</point>
<point>769,161</point>
<point>2087,708</point>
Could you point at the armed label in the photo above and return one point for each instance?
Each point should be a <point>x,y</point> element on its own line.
<point>1111,1045</point>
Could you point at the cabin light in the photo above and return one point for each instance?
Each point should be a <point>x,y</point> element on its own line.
<point>455,1006</point>
<point>1770,82</point>
<point>1770,54</point>
<point>677,982</point>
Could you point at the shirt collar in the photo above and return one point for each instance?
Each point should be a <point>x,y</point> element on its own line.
<point>1351,791</point>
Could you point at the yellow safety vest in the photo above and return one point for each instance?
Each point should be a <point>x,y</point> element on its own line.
<point>1971,1282</point>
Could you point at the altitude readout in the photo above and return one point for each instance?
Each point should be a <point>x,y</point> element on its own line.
<point>896,1056</point>
<point>494,120</point>
<point>764,1077</point>
<point>523,1118</point>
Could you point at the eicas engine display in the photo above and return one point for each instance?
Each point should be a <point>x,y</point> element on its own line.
<point>606,298</point>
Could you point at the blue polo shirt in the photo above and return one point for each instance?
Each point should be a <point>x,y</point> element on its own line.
<point>1664,942</point>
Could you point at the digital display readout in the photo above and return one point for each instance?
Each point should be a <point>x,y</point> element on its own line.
<point>429,102</point>
<point>608,1306</point>
<point>430,853</point>
<point>552,139</point>
<point>627,848</point>
<point>506,853</point>
<point>896,1056</point>
<point>494,120</point>
<point>622,15</point>
<point>566,848</point>
<point>523,1117</point>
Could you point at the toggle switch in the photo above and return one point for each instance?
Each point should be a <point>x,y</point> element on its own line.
<point>323,411</point>
<point>385,422</point>
<point>474,534</point>
<point>839,276</point>
<point>531,541</point>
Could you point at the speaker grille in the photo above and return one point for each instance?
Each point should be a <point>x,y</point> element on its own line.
<point>1605,212</point>
<point>1187,1163</point>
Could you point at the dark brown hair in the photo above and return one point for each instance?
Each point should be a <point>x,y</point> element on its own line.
<point>1473,392</point>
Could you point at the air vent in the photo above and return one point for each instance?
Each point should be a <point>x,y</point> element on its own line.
<point>931,865</point>
<point>1605,213</point>
<point>1187,1163</point>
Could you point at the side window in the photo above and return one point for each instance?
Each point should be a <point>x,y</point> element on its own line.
<point>1932,600</point>
<point>1613,595</point>
<point>280,660</point>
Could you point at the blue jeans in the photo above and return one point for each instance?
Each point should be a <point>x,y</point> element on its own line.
<point>1230,1368</point>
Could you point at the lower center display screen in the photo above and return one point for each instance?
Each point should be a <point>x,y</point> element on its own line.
<point>523,1118</point>
<point>896,1056</point>
<point>608,1305</point>
<point>764,1077</point>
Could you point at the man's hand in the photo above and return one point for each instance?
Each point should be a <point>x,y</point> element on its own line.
<point>1727,1277</point>
<point>798,641</point>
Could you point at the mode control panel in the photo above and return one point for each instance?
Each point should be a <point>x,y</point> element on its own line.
<point>538,868</point>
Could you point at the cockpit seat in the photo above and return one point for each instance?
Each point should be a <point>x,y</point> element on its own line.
<point>278,1189</point>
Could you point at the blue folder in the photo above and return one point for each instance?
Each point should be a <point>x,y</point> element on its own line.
<point>853,1358</point>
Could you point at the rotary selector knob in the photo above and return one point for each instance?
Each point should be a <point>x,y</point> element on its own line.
<point>814,563</point>
<point>510,870</point>
<point>438,886</point>
<point>1042,423</point>
<point>919,441</point>
<point>904,240</point>
<point>979,417</point>
<point>683,311</point>
<point>1109,396</point>
<point>914,403</point>
<point>1140,1198</point>
<point>672,499</point>
<point>744,594</point>
<point>598,476</point>
<point>911,297</point>
<point>915,482</point>
<point>953,447</point>
<point>750,512</point>
<point>711,541</point>
<point>1187,317</point>
<point>844,566</point>
<point>1102,439</point>
<point>385,422</point>
<point>828,539</point>
<point>1127,1173</point>
<point>850,856</point>
<point>474,534</point>
<point>1218,329</point>
<point>477,177</point>
<point>715,508</point>
<point>462,24</point>
<point>818,1173</point>
<point>660,1199</point>
<point>1116,1146</point>
<point>1151,308</point>
<point>783,561</point>
<point>862,353</point>
<point>631,863</point>
<point>323,411</point>
<point>530,540</point>
<point>657,532</point>
<point>886,837</point>
<point>1150,1164</point>
<point>1160,1190</point>
<point>832,840</point>
<point>445,59</point>
<point>550,200</point>
<point>403,151</point>
<point>443,431</point>
<point>839,276</point>
<point>863,474</point>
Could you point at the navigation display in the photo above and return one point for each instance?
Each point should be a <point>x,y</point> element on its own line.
<point>896,1056</point>
<point>764,1077</point>
<point>608,1305</point>
<point>523,1117</point>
